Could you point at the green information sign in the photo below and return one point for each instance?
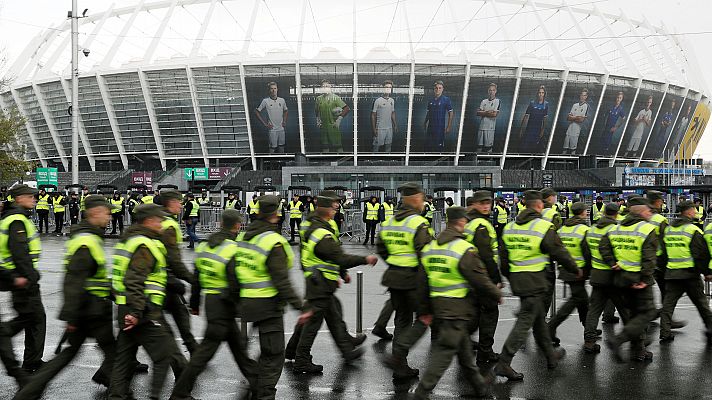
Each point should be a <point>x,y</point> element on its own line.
<point>46,176</point>
<point>188,174</point>
<point>196,174</point>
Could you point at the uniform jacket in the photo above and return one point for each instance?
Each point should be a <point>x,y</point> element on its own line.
<point>566,276</point>
<point>599,276</point>
<point>141,265</point>
<point>18,244</point>
<point>176,268</point>
<point>648,260</point>
<point>700,255</point>
<point>227,307</point>
<point>482,243</point>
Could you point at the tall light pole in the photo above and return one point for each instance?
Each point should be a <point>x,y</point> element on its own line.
<point>75,93</point>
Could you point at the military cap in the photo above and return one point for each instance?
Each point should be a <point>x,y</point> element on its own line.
<point>95,200</point>
<point>638,201</point>
<point>170,194</point>
<point>143,211</point>
<point>532,195</point>
<point>684,206</point>
<point>189,195</point>
<point>611,209</point>
<point>599,198</point>
<point>327,197</point>
<point>698,200</point>
<point>230,217</point>
<point>410,189</point>
<point>481,195</point>
<point>268,204</point>
<point>633,195</point>
<point>654,195</point>
<point>19,190</point>
<point>548,192</point>
<point>578,208</point>
<point>456,212</point>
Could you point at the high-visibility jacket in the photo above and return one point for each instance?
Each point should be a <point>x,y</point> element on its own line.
<point>118,205</point>
<point>549,214</point>
<point>627,244</point>
<point>254,207</point>
<point>98,285</point>
<point>523,244</point>
<point>195,210</point>
<point>230,203</point>
<point>441,265</point>
<point>251,263</point>
<point>82,199</point>
<point>597,212</point>
<point>311,207</point>
<point>34,245</point>
<point>593,239</point>
<point>155,284</point>
<point>572,237</point>
<point>520,207</point>
<point>170,222</point>
<point>387,211</point>
<point>658,220</point>
<point>211,262</point>
<point>622,209</point>
<point>311,262</point>
<point>472,227</point>
<point>294,211</point>
<point>132,204</point>
<point>304,227</point>
<point>43,202</point>
<point>429,210</point>
<point>699,212</point>
<point>372,211</point>
<point>148,199</point>
<point>708,239</point>
<point>56,204</point>
<point>203,200</point>
<point>501,215</point>
<point>677,245</point>
<point>399,237</point>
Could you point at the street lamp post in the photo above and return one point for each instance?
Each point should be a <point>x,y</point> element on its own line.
<point>75,93</point>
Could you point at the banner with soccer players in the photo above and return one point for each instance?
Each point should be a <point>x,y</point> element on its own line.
<point>642,116</point>
<point>680,128</point>
<point>694,131</point>
<point>612,117</point>
<point>663,126</point>
<point>578,108</point>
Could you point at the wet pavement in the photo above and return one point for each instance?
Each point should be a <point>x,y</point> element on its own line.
<point>680,370</point>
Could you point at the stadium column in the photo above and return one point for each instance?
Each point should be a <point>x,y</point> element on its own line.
<point>50,125</point>
<point>148,99</point>
<point>465,92</point>
<point>595,115</point>
<point>355,104</point>
<point>33,139</point>
<point>199,115</point>
<point>101,82</point>
<point>411,95</point>
<point>298,76</point>
<point>565,79</point>
<point>29,128</point>
<point>674,123</point>
<point>247,113</point>
<point>639,84</point>
<point>652,125</point>
<point>515,96</point>
<point>82,130</point>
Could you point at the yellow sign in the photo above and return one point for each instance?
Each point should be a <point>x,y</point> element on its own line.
<point>694,131</point>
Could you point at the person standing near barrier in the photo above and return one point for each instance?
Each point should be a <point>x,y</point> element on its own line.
<point>630,249</point>
<point>211,265</point>
<point>296,208</point>
<point>42,208</point>
<point>117,213</point>
<point>230,202</point>
<point>132,203</point>
<point>597,210</point>
<point>253,208</point>
<point>82,199</point>
<point>604,292</point>
<point>191,216</point>
<point>388,209</point>
<point>371,218</point>
<point>139,284</point>
<point>573,236</point>
<point>340,214</point>
<point>74,207</point>
<point>58,203</point>
<point>324,262</point>
<point>429,209</point>
<point>147,198</point>
<point>172,237</point>
<point>400,242</point>
<point>452,272</point>
<point>204,200</point>
<point>530,244</point>
<point>261,279</point>
<point>501,215</point>
<point>687,255</point>
<point>481,234</point>
<point>700,213</point>
<point>20,250</point>
<point>87,309</point>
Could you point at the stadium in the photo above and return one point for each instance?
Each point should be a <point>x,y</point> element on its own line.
<point>455,91</point>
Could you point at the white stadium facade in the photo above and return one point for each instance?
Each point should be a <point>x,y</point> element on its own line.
<point>186,82</point>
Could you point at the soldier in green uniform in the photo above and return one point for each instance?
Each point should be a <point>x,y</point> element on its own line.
<point>453,270</point>
<point>87,307</point>
<point>20,250</point>
<point>139,281</point>
<point>630,249</point>
<point>573,235</point>
<point>603,291</point>
<point>551,214</point>
<point>213,258</point>
<point>686,256</point>
<point>480,232</point>
<point>400,242</point>
<point>328,118</point>
<point>324,263</point>
<point>530,244</point>
<point>261,277</point>
<point>172,238</point>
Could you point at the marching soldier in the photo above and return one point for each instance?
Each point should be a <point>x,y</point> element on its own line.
<point>324,262</point>
<point>87,308</point>
<point>686,255</point>
<point>530,244</point>
<point>400,242</point>
<point>453,270</point>
<point>263,260</point>
<point>480,232</point>
<point>603,291</point>
<point>211,264</point>
<point>550,214</point>
<point>573,236</point>
<point>630,249</point>
<point>139,281</point>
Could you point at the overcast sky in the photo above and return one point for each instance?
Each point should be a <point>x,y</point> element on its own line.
<point>21,20</point>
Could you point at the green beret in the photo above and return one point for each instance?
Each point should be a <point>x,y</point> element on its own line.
<point>19,190</point>
<point>268,204</point>
<point>456,212</point>
<point>143,211</point>
<point>410,189</point>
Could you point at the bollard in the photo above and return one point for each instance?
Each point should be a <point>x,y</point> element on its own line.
<point>707,288</point>
<point>359,302</point>
<point>244,334</point>
<point>565,290</point>
<point>552,311</point>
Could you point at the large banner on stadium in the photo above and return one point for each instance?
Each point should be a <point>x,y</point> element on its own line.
<point>694,132</point>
